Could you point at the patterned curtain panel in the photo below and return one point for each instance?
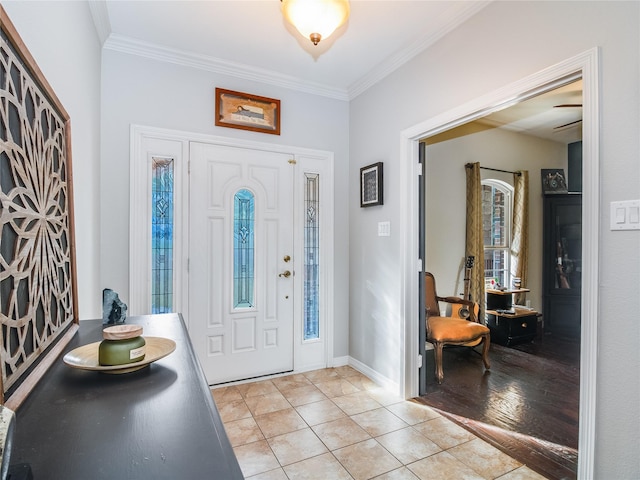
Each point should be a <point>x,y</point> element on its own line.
<point>520,232</point>
<point>474,242</point>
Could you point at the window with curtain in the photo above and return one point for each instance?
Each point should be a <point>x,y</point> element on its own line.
<point>497,205</point>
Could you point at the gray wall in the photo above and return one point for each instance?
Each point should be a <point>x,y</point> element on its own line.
<point>137,90</point>
<point>503,43</point>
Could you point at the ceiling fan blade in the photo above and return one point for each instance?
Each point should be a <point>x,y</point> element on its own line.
<point>567,124</point>
<point>568,105</point>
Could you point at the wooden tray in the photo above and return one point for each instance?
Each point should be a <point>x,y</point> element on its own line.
<point>86,357</point>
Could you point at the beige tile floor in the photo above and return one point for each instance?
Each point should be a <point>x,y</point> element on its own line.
<point>335,424</point>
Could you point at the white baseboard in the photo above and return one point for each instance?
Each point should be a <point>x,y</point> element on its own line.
<point>340,361</point>
<point>377,377</point>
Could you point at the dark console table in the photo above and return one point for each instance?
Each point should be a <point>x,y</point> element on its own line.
<point>157,423</point>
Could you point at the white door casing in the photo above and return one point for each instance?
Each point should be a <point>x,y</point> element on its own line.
<point>147,142</point>
<point>237,342</point>
<point>586,66</point>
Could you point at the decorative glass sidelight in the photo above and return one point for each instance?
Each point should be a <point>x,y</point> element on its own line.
<point>243,249</point>
<point>311,257</point>
<point>162,206</point>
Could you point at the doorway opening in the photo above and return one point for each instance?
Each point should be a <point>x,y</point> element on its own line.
<point>529,399</point>
<point>583,66</point>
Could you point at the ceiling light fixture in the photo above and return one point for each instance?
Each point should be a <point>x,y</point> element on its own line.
<point>316,19</point>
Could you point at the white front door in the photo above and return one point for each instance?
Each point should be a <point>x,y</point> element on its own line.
<point>241,248</point>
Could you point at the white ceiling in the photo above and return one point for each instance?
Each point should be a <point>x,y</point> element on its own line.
<point>542,116</point>
<point>251,39</point>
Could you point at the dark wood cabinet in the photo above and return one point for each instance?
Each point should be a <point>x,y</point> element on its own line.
<point>510,324</point>
<point>574,167</point>
<point>562,264</point>
<point>514,328</point>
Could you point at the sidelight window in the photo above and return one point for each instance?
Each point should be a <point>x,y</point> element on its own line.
<point>311,257</point>
<point>243,249</point>
<point>162,207</point>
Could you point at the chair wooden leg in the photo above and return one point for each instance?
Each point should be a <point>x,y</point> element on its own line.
<point>437,353</point>
<point>485,352</point>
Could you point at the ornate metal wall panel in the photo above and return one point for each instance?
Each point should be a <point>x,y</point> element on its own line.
<point>37,265</point>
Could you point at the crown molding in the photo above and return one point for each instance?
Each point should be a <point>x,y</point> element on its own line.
<point>457,14</point>
<point>132,46</point>
<point>100,15</point>
<point>450,20</point>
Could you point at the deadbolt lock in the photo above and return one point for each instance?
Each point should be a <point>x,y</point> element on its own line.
<point>287,258</point>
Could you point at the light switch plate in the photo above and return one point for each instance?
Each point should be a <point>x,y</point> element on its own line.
<point>625,215</point>
<point>384,229</point>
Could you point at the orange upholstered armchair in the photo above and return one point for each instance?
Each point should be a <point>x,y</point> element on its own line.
<point>443,331</point>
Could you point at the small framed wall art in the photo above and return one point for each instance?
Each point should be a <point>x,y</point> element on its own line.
<point>553,181</point>
<point>247,112</point>
<point>371,185</point>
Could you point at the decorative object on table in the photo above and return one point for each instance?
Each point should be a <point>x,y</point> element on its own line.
<point>491,283</point>
<point>114,310</point>
<point>39,301</point>
<point>553,181</point>
<point>371,185</point>
<point>247,112</point>
<point>86,357</point>
<point>122,344</point>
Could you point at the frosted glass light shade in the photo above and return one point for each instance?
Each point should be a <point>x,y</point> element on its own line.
<point>316,19</point>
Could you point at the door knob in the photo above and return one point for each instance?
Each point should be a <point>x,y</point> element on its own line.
<point>285,274</point>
